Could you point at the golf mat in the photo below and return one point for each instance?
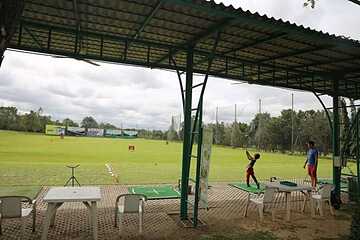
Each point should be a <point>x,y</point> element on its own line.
<point>287,183</point>
<point>156,192</point>
<point>251,189</point>
<point>27,191</point>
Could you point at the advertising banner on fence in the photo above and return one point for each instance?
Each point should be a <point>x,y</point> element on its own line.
<point>113,133</point>
<point>128,133</point>
<point>54,130</point>
<point>95,132</point>
<point>205,166</point>
<point>75,131</point>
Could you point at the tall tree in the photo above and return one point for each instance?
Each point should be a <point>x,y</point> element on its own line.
<point>345,135</point>
<point>89,122</point>
<point>260,129</point>
<point>9,119</point>
<point>171,134</point>
<point>107,126</point>
<point>67,122</point>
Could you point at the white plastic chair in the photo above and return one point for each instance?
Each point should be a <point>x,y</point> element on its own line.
<point>111,172</point>
<point>11,207</point>
<point>129,204</point>
<point>322,196</point>
<point>262,201</point>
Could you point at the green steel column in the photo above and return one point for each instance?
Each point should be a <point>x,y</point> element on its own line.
<point>10,13</point>
<point>357,154</point>
<point>198,163</point>
<point>336,141</point>
<point>187,134</point>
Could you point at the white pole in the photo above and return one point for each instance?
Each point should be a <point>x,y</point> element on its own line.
<point>260,106</point>
<point>216,116</point>
<point>292,122</point>
<point>235,113</point>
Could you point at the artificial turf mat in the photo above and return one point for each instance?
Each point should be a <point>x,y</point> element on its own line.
<point>252,188</point>
<point>27,191</point>
<point>156,192</point>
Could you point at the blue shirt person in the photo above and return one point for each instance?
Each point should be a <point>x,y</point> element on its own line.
<point>312,162</point>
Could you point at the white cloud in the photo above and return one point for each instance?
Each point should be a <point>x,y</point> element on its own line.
<point>133,96</point>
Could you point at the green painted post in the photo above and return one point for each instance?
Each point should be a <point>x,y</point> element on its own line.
<point>187,133</point>
<point>357,154</point>
<point>198,164</point>
<point>336,141</point>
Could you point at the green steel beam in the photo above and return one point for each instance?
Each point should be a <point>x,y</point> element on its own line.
<point>78,40</point>
<point>271,66</point>
<point>355,70</point>
<point>182,2</point>
<point>148,18</point>
<point>352,78</point>
<point>130,22</point>
<point>294,53</point>
<point>187,134</point>
<point>10,13</point>
<point>357,154</point>
<point>326,110</point>
<point>198,123</point>
<point>332,61</point>
<point>277,83</point>
<point>20,34</point>
<point>118,59</point>
<point>146,43</point>
<point>116,38</point>
<point>114,21</point>
<point>56,8</point>
<point>33,37</point>
<point>180,84</point>
<point>274,69</point>
<point>336,139</point>
<point>198,165</point>
<point>197,38</point>
<point>229,14</point>
<point>77,15</point>
<point>210,62</point>
<point>257,42</point>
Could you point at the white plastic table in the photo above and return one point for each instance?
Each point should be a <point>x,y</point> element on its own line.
<point>56,196</point>
<point>306,189</point>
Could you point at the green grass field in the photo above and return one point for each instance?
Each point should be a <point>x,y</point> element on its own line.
<point>36,159</point>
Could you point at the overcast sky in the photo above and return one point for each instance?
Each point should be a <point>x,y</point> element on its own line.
<point>144,98</point>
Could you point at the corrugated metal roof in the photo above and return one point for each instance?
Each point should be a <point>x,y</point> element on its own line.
<point>252,48</point>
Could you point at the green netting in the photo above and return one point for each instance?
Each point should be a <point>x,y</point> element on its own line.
<point>156,192</point>
<point>28,191</point>
<point>244,187</point>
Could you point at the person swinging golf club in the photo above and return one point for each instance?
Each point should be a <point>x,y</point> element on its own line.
<point>250,168</point>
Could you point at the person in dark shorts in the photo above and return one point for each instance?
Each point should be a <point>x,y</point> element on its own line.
<point>312,162</point>
<point>250,168</point>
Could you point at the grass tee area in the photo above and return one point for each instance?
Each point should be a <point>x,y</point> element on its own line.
<point>36,159</point>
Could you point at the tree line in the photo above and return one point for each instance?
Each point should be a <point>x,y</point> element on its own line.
<point>272,133</point>
<point>36,121</point>
<point>290,131</point>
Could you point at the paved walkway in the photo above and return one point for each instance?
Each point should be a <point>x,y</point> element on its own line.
<point>160,219</point>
